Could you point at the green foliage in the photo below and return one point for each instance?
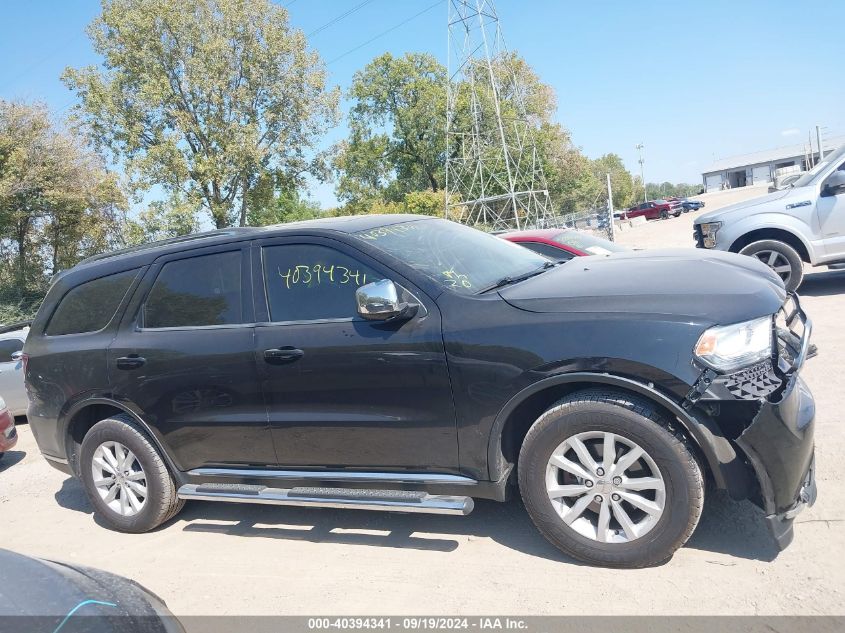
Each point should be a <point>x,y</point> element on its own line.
<point>58,204</point>
<point>209,100</point>
<point>667,189</point>
<point>397,137</point>
<point>288,206</point>
<point>162,220</point>
<point>397,142</point>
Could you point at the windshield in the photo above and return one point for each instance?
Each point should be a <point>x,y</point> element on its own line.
<point>810,176</point>
<point>461,258</point>
<point>588,243</point>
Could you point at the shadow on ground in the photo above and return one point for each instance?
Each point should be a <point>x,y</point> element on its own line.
<point>727,527</point>
<point>823,284</point>
<point>11,458</point>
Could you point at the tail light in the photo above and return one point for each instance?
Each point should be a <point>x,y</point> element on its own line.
<point>7,421</point>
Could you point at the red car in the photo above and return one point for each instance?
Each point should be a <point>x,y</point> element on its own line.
<point>562,244</point>
<point>8,434</point>
<point>655,209</point>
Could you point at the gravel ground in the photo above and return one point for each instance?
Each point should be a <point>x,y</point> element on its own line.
<point>238,559</point>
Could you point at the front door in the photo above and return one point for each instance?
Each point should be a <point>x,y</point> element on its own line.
<point>342,391</point>
<point>184,359</point>
<point>831,213</point>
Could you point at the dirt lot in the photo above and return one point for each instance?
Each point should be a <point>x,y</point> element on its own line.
<point>224,559</point>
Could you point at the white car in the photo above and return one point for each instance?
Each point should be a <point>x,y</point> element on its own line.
<point>804,223</point>
<point>11,368</point>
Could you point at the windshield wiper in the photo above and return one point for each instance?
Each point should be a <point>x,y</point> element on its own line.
<point>506,281</point>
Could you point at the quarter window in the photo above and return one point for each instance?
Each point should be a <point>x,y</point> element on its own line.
<point>203,290</point>
<point>8,347</point>
<point>306,282</point>
<point>90,306</point>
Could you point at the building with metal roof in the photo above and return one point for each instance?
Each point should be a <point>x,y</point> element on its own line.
<point>763,167</point>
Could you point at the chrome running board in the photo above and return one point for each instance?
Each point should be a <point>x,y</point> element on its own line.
<point>355,498</point>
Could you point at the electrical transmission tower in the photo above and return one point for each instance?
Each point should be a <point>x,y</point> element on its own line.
<point>494,178</point>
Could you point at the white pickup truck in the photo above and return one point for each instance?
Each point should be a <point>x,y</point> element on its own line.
<point>785,229</point>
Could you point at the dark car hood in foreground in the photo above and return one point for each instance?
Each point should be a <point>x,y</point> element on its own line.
<point>39,595</point>
<point>706,286</point>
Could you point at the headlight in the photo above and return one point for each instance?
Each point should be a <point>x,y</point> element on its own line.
<point>729,347</point>
<point>708,232</point>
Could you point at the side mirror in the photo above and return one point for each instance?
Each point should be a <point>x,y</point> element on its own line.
<point>835,183</point>
<point>16,356</point>
<point>379,301</point>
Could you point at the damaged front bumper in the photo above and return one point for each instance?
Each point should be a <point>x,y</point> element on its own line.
<point>779,446</point>
<point>778,442</point>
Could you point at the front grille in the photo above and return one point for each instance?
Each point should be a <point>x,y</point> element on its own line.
<point>699,238</point>
<point>757,381</point>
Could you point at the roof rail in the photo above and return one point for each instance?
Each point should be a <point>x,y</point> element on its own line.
<point>172,240</point>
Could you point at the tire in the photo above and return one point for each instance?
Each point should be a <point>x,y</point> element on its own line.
<point>664,215</point>
<point>782,255</point>
<point>160,503</point>
<point>677,215</point>
<point>632,421</point>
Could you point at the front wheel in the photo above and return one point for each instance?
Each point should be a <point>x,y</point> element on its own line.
<point>607,480</point>
<point>664,215</point>
<point>780,257</point>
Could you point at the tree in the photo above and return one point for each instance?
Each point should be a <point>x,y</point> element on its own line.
<point>205,99</point>
<point>621,183</point>
<point>397,137</point>
<point>287,206</point>
<point>58,204</point>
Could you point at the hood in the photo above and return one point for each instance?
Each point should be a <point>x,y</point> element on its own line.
<point>715,216</point>
<point>50,592</point>
<point>709,287</point>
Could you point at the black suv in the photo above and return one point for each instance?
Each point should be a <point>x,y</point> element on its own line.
<point>412,364</point>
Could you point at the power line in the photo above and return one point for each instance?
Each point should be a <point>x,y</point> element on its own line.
<point>383,33</point>
<point>337,19</point>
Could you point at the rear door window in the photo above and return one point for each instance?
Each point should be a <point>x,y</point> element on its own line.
<point>90,306</point>
<point>198,291</point>
<point>8,347</point>
<point>547,250</point>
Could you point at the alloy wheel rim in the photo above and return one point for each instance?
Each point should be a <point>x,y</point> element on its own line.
<point>605,487</point>
<point>777,262</point>
<point>119,478</point>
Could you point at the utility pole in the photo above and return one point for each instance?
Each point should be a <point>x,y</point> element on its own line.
<point>639,149</point>
<point>819,141</point>
<point>812,162</point>
<point>610,210</point>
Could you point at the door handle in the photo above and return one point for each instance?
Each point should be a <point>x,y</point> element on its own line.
<point>282,355</point>
<point>133,361</point>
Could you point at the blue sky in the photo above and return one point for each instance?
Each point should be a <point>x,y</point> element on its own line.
<point>692,81</point>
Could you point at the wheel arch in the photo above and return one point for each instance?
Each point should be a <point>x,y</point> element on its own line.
<point>780,235</point>
<point>516,417</point>
<point>82,416</point>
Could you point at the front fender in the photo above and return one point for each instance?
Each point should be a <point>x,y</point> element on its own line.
<point>800,223</point>
<point>727,467</point>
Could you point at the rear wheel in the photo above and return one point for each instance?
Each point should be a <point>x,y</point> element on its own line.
<point>607,480</point>
<point>780,257</point>
<point>664,215</point>
<point>125,478</point>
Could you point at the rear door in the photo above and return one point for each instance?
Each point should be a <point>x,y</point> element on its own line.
<point>342,391</point>
<point>184,358</point>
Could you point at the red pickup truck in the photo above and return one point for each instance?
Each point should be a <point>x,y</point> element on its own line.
<point>656,209</point>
